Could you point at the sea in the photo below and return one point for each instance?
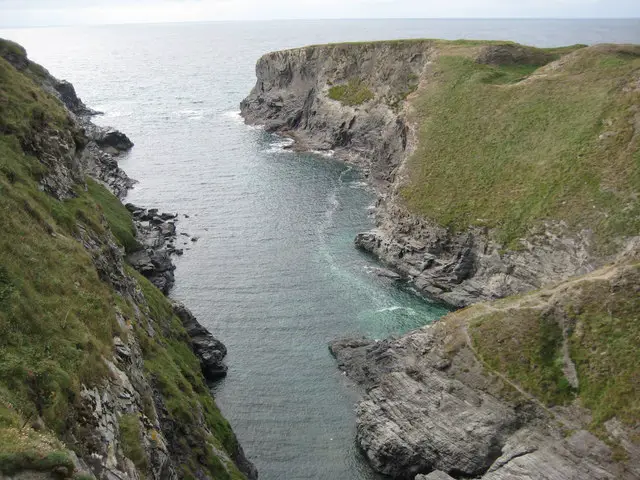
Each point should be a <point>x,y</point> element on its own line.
<point>274,273</point>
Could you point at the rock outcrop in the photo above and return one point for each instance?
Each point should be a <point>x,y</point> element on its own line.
<point>511,389</point>
<point>434,403</point>
<point>208,349</point>
<point>359,101</point>
<point>156,234</point>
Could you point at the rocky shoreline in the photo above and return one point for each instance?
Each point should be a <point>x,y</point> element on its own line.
<point>292,97</point>
<point>130,391</point>
<point>432,408</point>
<point>156,231</point>
<point>432,405</point>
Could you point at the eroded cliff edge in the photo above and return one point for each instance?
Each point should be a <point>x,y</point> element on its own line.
<point>488,157</point>
<point>500,169</point>
<point>101,376</point>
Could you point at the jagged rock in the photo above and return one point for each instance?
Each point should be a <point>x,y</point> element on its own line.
<point>432,403</point>
<point>91,424</point>
<point>207,348</point>
<point>114,141</point>
<point>67,93</point>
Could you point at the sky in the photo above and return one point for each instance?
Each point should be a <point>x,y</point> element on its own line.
<point>72,12</point>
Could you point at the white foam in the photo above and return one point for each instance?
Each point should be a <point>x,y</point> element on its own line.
<point>409,310</point>
<point>280,145</point>
<point>324,153</point>
<point>189,114</point>
<point>234,115</point>
<point>113,113</point>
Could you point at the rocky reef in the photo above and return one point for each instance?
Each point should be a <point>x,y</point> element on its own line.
<point>101,375</point>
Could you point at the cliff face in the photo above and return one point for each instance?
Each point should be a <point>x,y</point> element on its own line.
<point>99,376</point>
<point>293,96</point>
<point>539,386</point>
<point>500,169</point>
<point>461,212</point>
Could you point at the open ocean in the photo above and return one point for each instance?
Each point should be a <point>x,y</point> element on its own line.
<point>274,273</point>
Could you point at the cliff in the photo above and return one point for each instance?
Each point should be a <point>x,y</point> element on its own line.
<point>99,376</point>
<point>538,386</point>
<point>500,168</point>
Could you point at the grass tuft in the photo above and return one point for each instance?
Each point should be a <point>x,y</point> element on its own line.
<point>353,93</point>
<point>131,438</point>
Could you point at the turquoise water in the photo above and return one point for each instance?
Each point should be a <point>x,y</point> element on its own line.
<point>274,273</point>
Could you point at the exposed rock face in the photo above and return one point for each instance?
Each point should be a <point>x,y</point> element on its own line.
<point>208,349</point>
<point>292,97</point>
<point>432,404</point>
<point>157,236</point>
<point>67,94</point>
<point>465,268</point>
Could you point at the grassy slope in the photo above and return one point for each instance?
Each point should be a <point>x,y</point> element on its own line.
<point>523,338</point>
<point>57,318</point>
<point>510,146</point>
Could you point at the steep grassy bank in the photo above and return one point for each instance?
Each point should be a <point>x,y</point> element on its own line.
<point>96,372</point>
<point>509,146</point>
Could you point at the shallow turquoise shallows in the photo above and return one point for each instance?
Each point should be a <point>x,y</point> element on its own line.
<point>274,273</point>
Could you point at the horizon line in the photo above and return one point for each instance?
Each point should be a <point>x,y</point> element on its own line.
<point>201,22</point>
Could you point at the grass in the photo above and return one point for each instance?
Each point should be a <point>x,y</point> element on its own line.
<point>603,337</point>
<point>22,448</point>
<point>499,152</point>
<point>58,317</point>
<point>528,348</point>
<point>25,107</point>
<point>177,373</point>
<point>353,93</point>
<point>131,438</point>
<point>604,345</point>
<point>118,218</point>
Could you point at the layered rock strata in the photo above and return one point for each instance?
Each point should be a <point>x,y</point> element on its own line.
<point>434,406</point>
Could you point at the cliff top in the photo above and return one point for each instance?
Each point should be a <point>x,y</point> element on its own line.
<point>510,145</point>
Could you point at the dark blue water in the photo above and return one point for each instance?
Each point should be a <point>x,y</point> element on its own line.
<point>274,273</point>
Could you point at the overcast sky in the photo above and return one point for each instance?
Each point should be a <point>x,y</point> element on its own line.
<point>65,12</point>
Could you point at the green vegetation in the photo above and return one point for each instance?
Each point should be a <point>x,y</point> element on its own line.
<point>528,348</point>
<point>58,317</point>
<point>604,346</point>
<point>352,93</point>
<point>118,218</point>
<point>9,49</point>
<point>176,372</point>
<point>26,108</point>
<point>23,448</point>
<point>132,441</point>
<point>508,147</point>
<point>603,334</point>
